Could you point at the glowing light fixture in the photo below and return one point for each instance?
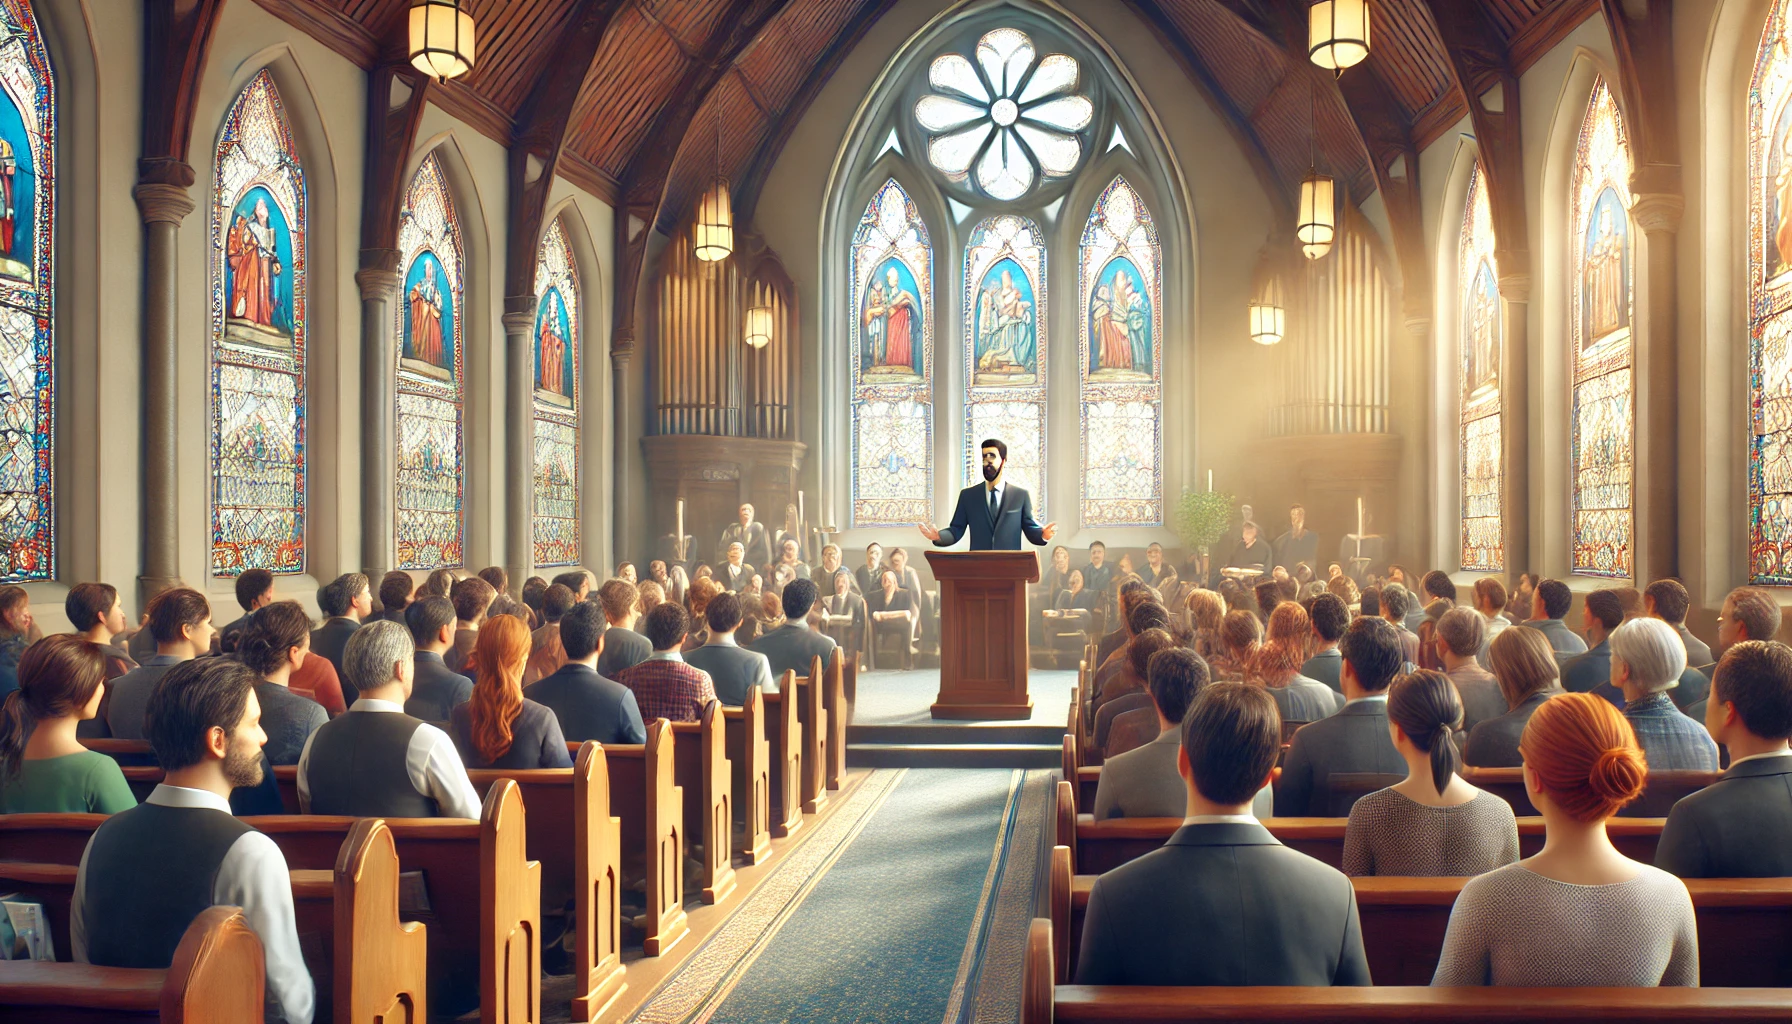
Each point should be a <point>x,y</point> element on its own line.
<point>441,38</point>
<point>759,326</point>
<point>1269,306</point>
<point>1338,33</point>
<point>1318,215</point>
<point>713,234</point>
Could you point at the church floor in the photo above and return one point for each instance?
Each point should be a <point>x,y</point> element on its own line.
<point>893,728</point>
<point>909,903</point>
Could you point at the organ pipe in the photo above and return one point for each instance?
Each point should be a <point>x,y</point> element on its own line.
<point>1334,365</point>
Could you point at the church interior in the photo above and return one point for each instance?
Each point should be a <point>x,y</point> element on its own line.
<point>979,511</point>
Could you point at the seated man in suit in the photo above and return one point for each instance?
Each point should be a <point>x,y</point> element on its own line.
<point>345,602</point>
<point>472,598</point>
<point>1223,902</point>
<point>734,574</point>
<point>788,556</point>
<point>546,652</point>
<point>1749,613</point>
<point>396,590</point>
<point>624,647</point>
<point>1549,603</point>
<point>794,645</point>
<point>1602,612</point>
<point>733,670</point>
<point>1143,782</point>
<point>755,542</point>
<point>1668,600</point>
<point>376,761</point>
<point>1355,739</point>
<point>1331,616</point>
<point>435,689</point>
<point>254,589</point>
<point>588,706</point>
<point>149,871</point>
<point>1098,573</point>
<point>664,686</point>
<point>1741,825</point>
<point>892,613</point>
<point>180,619</point>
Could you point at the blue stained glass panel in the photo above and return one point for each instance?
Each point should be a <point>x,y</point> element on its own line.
<point>430,318</point>
<point>1120,291</point>
<point>557,361</point>
<point>891,346</point>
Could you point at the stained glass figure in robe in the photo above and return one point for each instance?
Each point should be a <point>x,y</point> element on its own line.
<point>1120,285</point>
<point>258,253</point>
<point>553,352</point>
<point>889,342</point>
<point>1007,338</point>
<point>1605,292</point>
<point>891,320</point>
<point>429,324</point>
<point>1770,304</point>
<point>1120,325</point>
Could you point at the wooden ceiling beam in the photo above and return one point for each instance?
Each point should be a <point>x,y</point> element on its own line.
<point>177,42</point>
<point>1643,39</point>
<point>396,96</point>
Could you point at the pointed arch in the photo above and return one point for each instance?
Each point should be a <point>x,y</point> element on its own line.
<point>1005,349</point>
<point>1480,344</point>
<point>431,313</point>
<point>891,304</point>
<point>259,323</point>
<point>559,356</point>
<point>1601,303</point>
<point>1120,291</point>
<point>1770,305</point>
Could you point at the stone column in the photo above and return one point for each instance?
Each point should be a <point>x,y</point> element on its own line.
<point>1410,377</point>
<point>1515,418</point>
<point>622,347</point>
<point>163,207</point>
<point>379,444</point>
<point>519,433</point>
<point>1655,462</point>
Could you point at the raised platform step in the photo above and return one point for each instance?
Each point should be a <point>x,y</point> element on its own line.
<point>948,732</point>
<point>953,755</point>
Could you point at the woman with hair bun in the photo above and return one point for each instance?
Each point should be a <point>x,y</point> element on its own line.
<point>1579,913</point>
<point>1434,823</point>
<point>43,766</point>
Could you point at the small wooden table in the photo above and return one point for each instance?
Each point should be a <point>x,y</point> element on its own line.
<point>983,633</point>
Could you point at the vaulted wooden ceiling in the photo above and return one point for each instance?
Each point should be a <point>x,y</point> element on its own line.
<point>1248,56</point>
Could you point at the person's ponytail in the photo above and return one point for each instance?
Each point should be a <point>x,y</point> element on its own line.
<point>1427,708</point>
<point>15,728</point>
<point>1443,757</point>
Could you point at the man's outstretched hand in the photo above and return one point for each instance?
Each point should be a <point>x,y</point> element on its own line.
<point>1050,528</point>
<point>929,531</point>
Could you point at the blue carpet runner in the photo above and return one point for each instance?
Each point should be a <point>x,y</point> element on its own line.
<point>910,904</point>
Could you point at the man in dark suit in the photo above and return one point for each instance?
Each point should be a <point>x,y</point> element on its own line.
<point>844,617</point>
<point>756,544</point>
<point>1668,600</point>
<point>345,601</point>
<point>623,647</point>
<point>1330,619</point>
<point>1299,544</point>
<point>1353,740</point>
<point>588,706</point>
<point>1223,902</point>
<point>794,645</point>
<point>1549,603</point>
<point>435,690</point>
<point>1251,550</point>
<point>734,574</point>
<point>1098,573</point>
<point>396,590</point>
<point>1602,612</point>
<point>892,613</point>
<point>254,589</point>
<point>1741,825</point>
<point>733,670</point>
<point>994,514</point>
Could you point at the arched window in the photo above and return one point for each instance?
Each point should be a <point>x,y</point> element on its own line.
<point>1121,292</point>
<point>557,362</point>
<point>1005,350</point>
<point>1482,341</point>
<point>430,360</point>
<point>1602,439</point>
<point>892,366</point>
<point>259,336</point>
<point>1770,306</point>
<point>27,298</point>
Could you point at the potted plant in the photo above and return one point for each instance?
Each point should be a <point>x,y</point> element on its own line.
<point>1201,519</point>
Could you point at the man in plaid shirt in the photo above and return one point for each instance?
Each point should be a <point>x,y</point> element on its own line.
<point>664,686</point>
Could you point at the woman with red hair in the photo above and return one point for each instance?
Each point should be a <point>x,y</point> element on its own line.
<point>1277,666</point>
<point>1579,913</point>
<point>499,727</point>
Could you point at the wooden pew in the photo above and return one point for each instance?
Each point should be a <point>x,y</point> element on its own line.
<point>128,753</point>
<point>749,760</point>
<point>651,809</point>
<point>217,977</point>
<point>1660,792</point>
<point>700,770</point>
<point>812,708</point>
<point>838,712</point>
<point>597,846</point>
<point>784,731</point>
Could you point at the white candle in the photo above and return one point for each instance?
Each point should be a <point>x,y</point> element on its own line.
<point>1359,516</point>
<point>799,511</point>
<point>1210,480</point>
<point>678,541</point>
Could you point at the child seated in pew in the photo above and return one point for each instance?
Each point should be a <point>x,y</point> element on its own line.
<point>499,727</point>
<point>1223,902</point>
<point>1741,825</point>
<point>43,766</point>
<point>1434,823</point>
<point>1579,913</point>
<point>376,761</point>
<point>149,871</point>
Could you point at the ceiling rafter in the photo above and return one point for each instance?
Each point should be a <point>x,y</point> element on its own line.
<point>178,37</point>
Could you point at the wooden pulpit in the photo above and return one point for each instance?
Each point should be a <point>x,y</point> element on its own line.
<point>983,632</point>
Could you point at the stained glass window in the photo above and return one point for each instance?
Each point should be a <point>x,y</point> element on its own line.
<point>1005,350</point>
<point>1010,118</point>
<point>892,365</point>
<point>1121,322</point>
<point>1483,338</point>
<point>556,401</point>
<point>430,359</point>
<point>258,323</point>
<point>1602,432</point>
<point>1770,306</point>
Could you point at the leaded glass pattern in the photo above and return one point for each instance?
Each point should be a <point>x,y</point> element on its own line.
<point>1602,439</point>
<point>430,318</point>
<point>27,298</point>
<point>892,363</point>
<point>1770,305</point>
<point>1482,341</point>
<point>1005,350</point>
<point>258,324</point>
<point>1120,325</point>
<point>557,361</point>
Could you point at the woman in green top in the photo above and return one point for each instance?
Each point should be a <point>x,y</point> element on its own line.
<point>43,767</point>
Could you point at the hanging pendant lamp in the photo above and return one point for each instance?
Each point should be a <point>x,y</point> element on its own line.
<point>713,234</point>
<point>1269,305</point>
<point>441,38</point>
<point>1318,215</point>
<point>1338,33</point>
<point>759,326</point>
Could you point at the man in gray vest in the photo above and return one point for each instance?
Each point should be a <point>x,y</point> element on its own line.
<point>149,871</point>
<point>376,761</point>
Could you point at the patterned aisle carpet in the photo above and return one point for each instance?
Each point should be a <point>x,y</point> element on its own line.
<point>909,905</point>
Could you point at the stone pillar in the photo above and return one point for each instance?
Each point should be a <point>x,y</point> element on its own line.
<point>519,445</point>
<point>622,347</point>
<point>1409,376</point>
<point>1655,462</point>
<point>163,207</point>
<point>1515,418</point>
<point>379,443</point>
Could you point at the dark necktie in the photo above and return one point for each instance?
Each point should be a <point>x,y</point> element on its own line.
<point>992,504</point>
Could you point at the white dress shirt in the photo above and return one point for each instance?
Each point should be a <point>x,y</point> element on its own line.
<point>252,876</point>
<point>430,762</point>
<point>1220,819</point>
<point>1757,757</point>
<point>1382,697</point>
